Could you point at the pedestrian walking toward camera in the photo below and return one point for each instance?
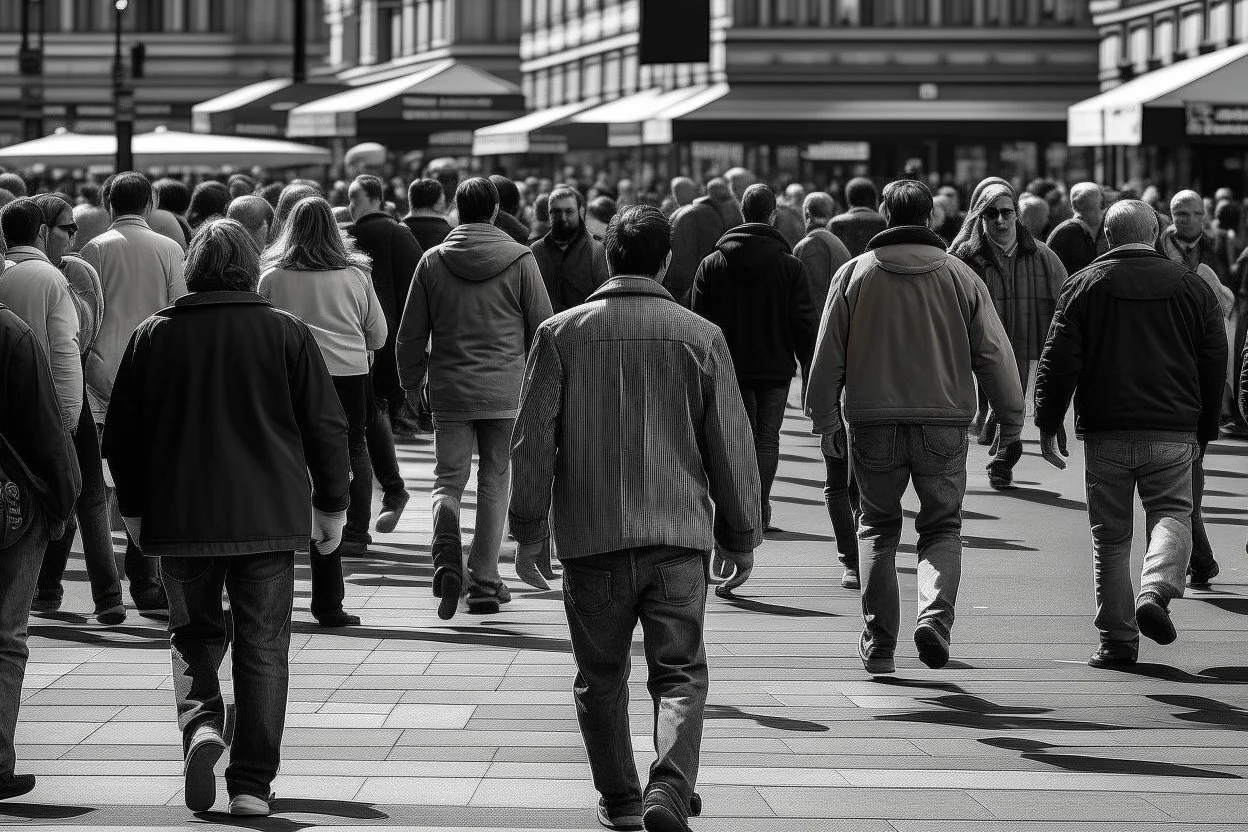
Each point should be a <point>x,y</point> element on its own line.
<point>631,369</point>
<point>1081,239</point>
<point>314,273</point>
<point>1139,342</point>
<point>573,263</point>
<point>907,331</point>
<point>857,226</point>
<point>758,293</point>
<point>226,510</point>
<point>474,306</point>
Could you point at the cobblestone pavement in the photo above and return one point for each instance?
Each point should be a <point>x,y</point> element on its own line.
<point>412,722</point>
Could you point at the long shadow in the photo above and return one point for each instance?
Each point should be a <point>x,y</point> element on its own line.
<point>899,682</point>
<point>151,638</point>
<point>1208,509</point>
<point>1225,521</point>
<point>1206,711</point>
<point>967,514</point>
<point>802,481</point>
<point>42,811</point>
<point>994,544</point>
<point>802,459</point>
<point>1233,475</point>
<point>483,636</point>
<point>794,537</point>
<point>796,501</point>
<point>780,723</point>
<point>1236,605</point>
<point>1039,752</point>
<point>1038,496</point>
<point>964,711</point>
<point>774,609</point>
<point>1210,676</point>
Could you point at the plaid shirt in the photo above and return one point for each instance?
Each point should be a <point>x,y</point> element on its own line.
<point>1024,286</point>
<point>631,410</point>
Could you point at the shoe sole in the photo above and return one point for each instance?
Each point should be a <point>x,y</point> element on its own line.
<point>199,779</point>
<point>662,819</point>
<point>932,651</point>
<point>250,813</point>
<point>1101,664</point>
<point>10,793</point>
<point>1155,623</point>
<point>625,823</point>
<point>488,606</point>
<point>447,584</point>
<point>850,584</point>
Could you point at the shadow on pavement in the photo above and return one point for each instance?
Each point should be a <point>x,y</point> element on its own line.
<point>42,811</point>
<point>780,723</point>
<point>965,711</point>
<point>1206,711</point>
<point>774,609</point>
<point>1039,752</point>
<point>482,636</point>
<point>149,638</point>
<point>1035,495</point>
<point>1236,605</point>
<point>1211,676</point>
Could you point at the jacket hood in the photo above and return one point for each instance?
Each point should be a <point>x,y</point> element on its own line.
<point>479,251</point>
<point>752,244</point>
<point>908,249</point>
<point>1142,274</point>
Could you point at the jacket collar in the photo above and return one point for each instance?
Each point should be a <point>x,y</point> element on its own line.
<point>1204,241</point>
<point>373,217</point>
<point>219,298</point>
<point>22,254</point>
<point>906,235</point>
<point>581,236</point>
<point>625,285</point>
<point>1130,252</point>
<point>861,209</point>
<point>130,220</point>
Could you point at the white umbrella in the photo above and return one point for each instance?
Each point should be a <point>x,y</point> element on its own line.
<point>61,149</point>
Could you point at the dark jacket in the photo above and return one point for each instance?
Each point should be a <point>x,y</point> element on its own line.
<point>221,410</point>
<point>573,274</point>
<point>395,254</point>
<point>428,231</point>
<point>758,293</point>
<point>1139,342</point>
<point>856,227</point>
<point>514,229</point>
<point>726,206</point>
<point>1208,251</point>
<point>696,229</point>
<point>823,255</point>
<point>30,418</point>
<point>1074,246</point>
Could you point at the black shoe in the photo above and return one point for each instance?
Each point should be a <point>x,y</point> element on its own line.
<point>1200,580</point>
<point>484,599</point>
<point>622,819</point>
<point>45,603</point>
<point>16,785</point>
<point>1114,654</point>
<point>338,619</point>
<point>392,506</point>
<point>1001,480</point>
<point>1154,619</point>
<point>205,748</point>
<point>448,582</point>
<point>151,599</point>
<point>933,645</point>
<point>877,662</point>
<point>352,549</point>
<point>663,812</point>
<point>111,616</point>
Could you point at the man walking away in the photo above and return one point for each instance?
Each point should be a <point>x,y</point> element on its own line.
<point>1139,342</point>
<point>758,293</point>
<point>861,222</point>
<point>821,251</point>
<point>227,510</point>
<point>696,228</point>
<point>509,209</point>
<point>631,369</point>
<point>255,215</point>
<point>573,263</point>
<point>907,332</point>
<point>426,218</point>
<point>1081,239</point>
<point>471,314</point>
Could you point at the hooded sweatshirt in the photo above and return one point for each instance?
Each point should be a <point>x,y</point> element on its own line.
<point>471,313</point>
<point>758,293</point>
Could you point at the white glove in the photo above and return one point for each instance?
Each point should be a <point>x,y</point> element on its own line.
<point>134,528</point>
<point>327,529</point>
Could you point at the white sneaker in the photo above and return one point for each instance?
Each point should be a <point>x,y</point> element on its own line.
<point>248,805</point>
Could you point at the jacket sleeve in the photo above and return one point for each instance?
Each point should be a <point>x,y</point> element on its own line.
<point>175,279</point>
<point>91,253</point>
<point>826,378</point>
<point>533,297</point>
<point>126,441</point>
<point>405,254</point>
<point>374,320</point>
<point>412,340</point>
<point>818,262</point>
<point>1211,367</point>
<point>699,300</point>
<point>535,440</point>
<point>1061,362</point>
<point>803,319</point>
<point>728,454</point>
<point>65,355</point>
<point>322,426</point>
<point>992,359</point>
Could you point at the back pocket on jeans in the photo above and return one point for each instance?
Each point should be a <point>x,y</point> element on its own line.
<point>588,590</point>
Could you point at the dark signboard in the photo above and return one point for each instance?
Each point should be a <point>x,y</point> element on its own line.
<point>675,32</point>
<point>1217,120</point>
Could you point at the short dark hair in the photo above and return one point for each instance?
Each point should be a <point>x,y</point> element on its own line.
<point>476,199</point>
<point>602,209</point>
<point>541,208</point>
<point>20,222</point>
<point>758,203</point>
<point>907,202</point>
<point>372,187</point>
<point>90,194</point>
<point>508,194</point>
<point>446,175</point>
<point>14,184</point>
<point>861,193</point>
<point>271,193</point>
<point>564,192</point>
<point>222,256</point>
<point>240,184</point>
<point>210,199</point>
<point>127,192</point>
<point>172,195</point>
<point>423,193</point>
<point>639,239</point>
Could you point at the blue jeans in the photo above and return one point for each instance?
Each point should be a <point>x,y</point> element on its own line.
<point>840,495</point>
<point>1162,473</point>
<point>453,443</point>
<point>886,458</point>
<point>605,595</point>
<point>764,407</point>
<point>19,568</point>
<point>261,590</point>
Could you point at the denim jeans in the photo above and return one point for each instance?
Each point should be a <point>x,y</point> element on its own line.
<point>142,572</point>
<point>764,406</point>
<point>1162,473</point>
<point>261,591</point>
<point>840,495</point>
<point>1203,561</point>
<point>91,512</point>
<point>605,595</point>
<point>886,458</point>
<point>19,569</point>
<point>351,392</point>
<point>380,438</point>
<point>453,443</point>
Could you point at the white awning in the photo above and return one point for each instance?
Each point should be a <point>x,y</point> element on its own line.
<point>164,149</point>
<point>242,96</point>
<point>524,134</point>
<point>753,105</point>
<point>1116,117</point>
<point>625,118</point>
<point>658,128</point>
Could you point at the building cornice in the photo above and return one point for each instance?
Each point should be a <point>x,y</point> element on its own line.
<point>1109,13</point>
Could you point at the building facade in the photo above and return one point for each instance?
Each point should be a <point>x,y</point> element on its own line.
<point>195,50</point>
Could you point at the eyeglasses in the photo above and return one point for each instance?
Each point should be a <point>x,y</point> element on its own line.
<point>992,213</point>
<point>70,228</point>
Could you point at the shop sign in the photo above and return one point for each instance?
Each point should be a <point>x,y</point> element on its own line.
<point>717,150</point>
<point>838,152</point>
<point>1222,120</point>
<point>245,129</point>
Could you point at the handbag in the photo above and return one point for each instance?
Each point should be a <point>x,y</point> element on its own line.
<point>19,490</point>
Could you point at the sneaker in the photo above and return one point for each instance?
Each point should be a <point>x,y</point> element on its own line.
<point>250,806</point>
<point>933,645</point>
<point>1114,654</point>
<point>16,785</point>
<point>662,811</point>
<point>150,599</point>
<point>392,506</point>
<point>111,616</point>
<point>203,751</point>
<point>1001,480</point>
<point>624,819</point>
<point>484,597</point>
<point>338,618</point>
<point>45,603</point>
<point>352,549</point>
<point>1154,619</point>
<point>849,578</point>
<point>448,581</point>
<point>1200,580</point>
<point>879,662</point>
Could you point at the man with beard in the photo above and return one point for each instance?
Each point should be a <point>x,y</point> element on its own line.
<point>573,263</point>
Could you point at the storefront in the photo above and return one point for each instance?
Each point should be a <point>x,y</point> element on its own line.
<point>259,109</point>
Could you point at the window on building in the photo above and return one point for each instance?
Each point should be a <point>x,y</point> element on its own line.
<point>149,17</point>
<point>572,83</point>
<point>216,15</point>
<point>591,83</point>
<point>541,90</point>
<point>1241,20</point>
<point>556,85</point>
<point>957,12</point>
<point>424,23</point>
<point>541,14</point>
<point>745,12</point>
<point>1219,23</point>
<point>1190,32</point>
<point>629,74</point>
<point>1163,40</point>
<point>611,81</point>
<point>1137,48</point>
<point>1111,51</point>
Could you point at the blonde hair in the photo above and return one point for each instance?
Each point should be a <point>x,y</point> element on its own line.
<point>310,240</point>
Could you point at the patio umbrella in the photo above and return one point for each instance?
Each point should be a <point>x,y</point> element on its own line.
<point>61,149</point>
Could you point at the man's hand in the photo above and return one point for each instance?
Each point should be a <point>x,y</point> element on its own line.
<point>733,568</point>
<point>833,444</point>
<point>526,564</point>
<point>1053,448</point>
<point>327,529</point>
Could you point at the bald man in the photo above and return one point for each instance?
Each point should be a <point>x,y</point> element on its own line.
<point>696,228</point>
<point>92,221</point>
<point>1079,240</point>
<point>1186,241</point>
<point>684,191</point>
<point>255,214</point>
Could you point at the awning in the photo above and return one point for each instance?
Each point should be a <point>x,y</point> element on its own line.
<point>447,97</point>
<point>657,129</point>
<point>258,109</point>
<point>525,134</point>
<point>1202,97</point>
<point>164,149</point>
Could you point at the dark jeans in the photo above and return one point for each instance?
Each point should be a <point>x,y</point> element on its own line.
<point>261,591</point>
<point>1007,457</point>
<point>381,444</point>
<point>1203,560</point>
<point>764,406</point>
<point>19,568</point>
<point>605,595</point>
<point>886,458</point>
<point>352,391</point>
<point>840,495</point>
<point>142,572</point>
<point>91,513</point>
<point>1237,364</point>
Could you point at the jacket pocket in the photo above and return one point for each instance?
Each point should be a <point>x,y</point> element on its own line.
<point>874,446</point>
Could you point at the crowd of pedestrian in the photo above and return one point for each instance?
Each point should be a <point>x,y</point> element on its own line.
<point>244,357</point>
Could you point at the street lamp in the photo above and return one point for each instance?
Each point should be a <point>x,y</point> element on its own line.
<point>30,67</point>
<point>123,96</point>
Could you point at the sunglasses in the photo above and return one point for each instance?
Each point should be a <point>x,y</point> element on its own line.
<point>71,228</point>
<point>992,214</point>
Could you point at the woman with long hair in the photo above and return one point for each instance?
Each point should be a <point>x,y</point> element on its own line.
<point>286,201</point>
<point>314,272</point>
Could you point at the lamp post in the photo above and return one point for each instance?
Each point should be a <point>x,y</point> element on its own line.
<point>123,95</point>
<point>30,65</point>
